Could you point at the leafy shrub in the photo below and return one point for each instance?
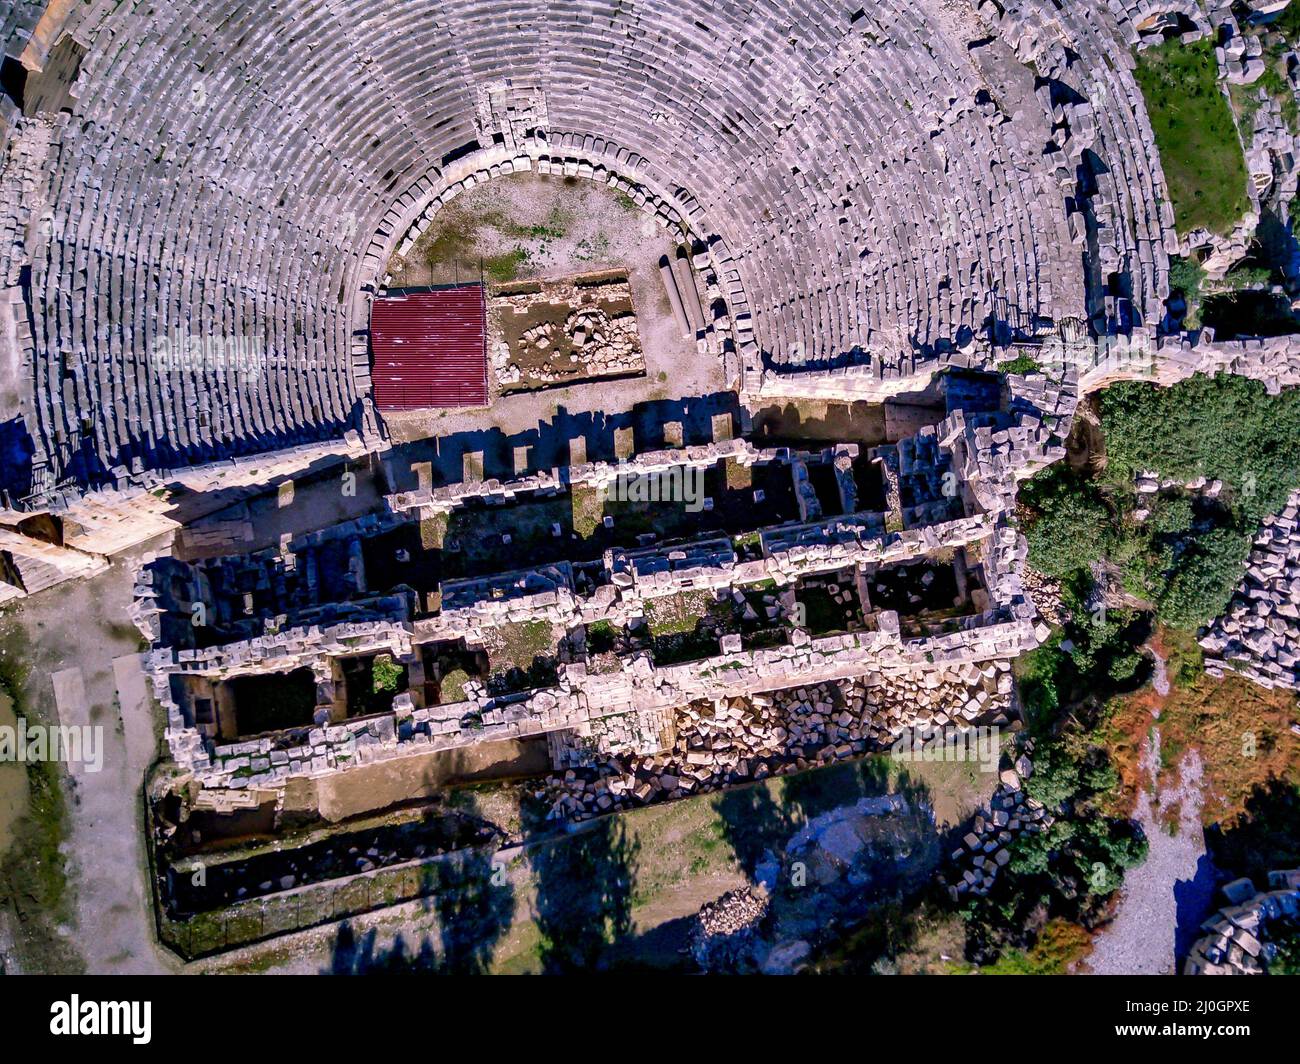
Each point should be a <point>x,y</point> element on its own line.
<point>1188,555</point>
<point>601,637</point>
<point>452,686</point>
<point>1021,364</point>
<point>386,674</point>
<point>1202,581</point>
<point>1186,276</point>
<point>1071,525</point>
<point>1284,935</point>
<point>1070,870</point>
<point>1060,945</point>
<point>1222,428</point>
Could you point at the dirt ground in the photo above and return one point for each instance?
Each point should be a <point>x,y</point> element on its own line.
<point>528,226</point>
<point>1141,939</point>
<point>370,788</point>
<point>1190,751</point>
<point>529,337</point>
<point>82,669</point>
<point>1241,732</point>
<point>868,423</point>
<point>956,788</point>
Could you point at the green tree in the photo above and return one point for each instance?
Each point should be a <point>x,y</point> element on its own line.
<point>1071,524</point>
<point>1222,428</point>
<point>1284,934</point>
<point>1203,579</point>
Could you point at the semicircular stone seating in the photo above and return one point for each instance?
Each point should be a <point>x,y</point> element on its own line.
<point>1115,178</point>
<point>868,190</point>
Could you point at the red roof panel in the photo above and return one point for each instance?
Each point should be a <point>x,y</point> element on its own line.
<point>430,348</point>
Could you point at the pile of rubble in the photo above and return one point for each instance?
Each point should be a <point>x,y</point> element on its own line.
<point>607,342</point>
<point>824,880</point>
<point>738,740</point>
<point>1045,594</point>
<point>1240,56</point>
<point>597,338</point>
<point>1237,936</point>
<point>724,929</point>
<point>986,848</point>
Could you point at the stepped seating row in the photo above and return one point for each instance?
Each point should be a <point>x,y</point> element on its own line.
<point>1086,62</point>
<point>217,196</point>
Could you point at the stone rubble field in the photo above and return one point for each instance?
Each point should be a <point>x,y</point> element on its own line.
<point>738,740</point>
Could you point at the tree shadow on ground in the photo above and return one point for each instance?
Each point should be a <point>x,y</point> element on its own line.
<point>585,887</point>
<point>763,817</point>
<point>469,901</point>
<point>759,823</point>
<point>1265,837</point>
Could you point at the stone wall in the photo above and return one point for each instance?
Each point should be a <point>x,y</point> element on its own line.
<point>992,449</point>
<point>1259,633</point>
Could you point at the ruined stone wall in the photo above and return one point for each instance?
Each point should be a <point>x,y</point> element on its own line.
<point>1274,361</point>
<point>41,565</point>
<point>640,692</point>
<point>1259,633</point>
<point>579,699</point>
<point>597,475</point>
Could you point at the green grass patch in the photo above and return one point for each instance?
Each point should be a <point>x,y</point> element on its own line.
<point>1022,365</point>
<point>1199,146</point>
<point>588,510</point>
<point>451,688</point>
<point>456,234</point>
<point>555,227</point>
<point>386,675</point>
<point>506,267</point>
<point>521,643</point>
<point>677,614</point>
<point>1185,660</point>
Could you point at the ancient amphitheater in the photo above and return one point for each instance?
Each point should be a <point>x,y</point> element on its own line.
<point>200,199</point>
<point>199,206</point>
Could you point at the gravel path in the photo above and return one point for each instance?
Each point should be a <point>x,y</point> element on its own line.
<point>1141,938</point>
<point>1160,675</point>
